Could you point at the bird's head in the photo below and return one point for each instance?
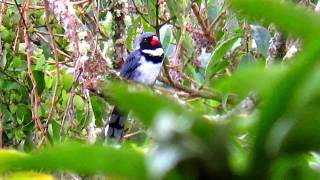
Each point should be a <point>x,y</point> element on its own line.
<point>149,43</point>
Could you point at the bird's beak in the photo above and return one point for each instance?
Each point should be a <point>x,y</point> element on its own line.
<point>155,41</point>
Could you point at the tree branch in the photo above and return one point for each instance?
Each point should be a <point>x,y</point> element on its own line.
<point>35,99</point>
<point>205,28</point>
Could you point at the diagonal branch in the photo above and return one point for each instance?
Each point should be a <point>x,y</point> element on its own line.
<point>204,26</point>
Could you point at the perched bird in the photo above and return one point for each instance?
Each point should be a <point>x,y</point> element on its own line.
<point>143,66</point>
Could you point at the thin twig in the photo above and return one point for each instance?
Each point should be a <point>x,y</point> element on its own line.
<point>95,23</point>
<point>193,92</point>
<point>132,134</point>
<point>57,49</point>
<point>191,80</point>
<point>55,53</point>
<point>175,59</point>
<point>166,72</point>
<point>217,19</point>
<point>47,33</point>
<point>69,102</point>
<point>165,21</point>
<point>35,100</point>
<point>205,28</point>
<point>16,39</point>
<point>2,10</point>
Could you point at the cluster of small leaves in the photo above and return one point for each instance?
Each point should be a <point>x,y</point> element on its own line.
<point>217,110</point>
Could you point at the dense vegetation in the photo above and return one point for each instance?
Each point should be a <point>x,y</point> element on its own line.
<point>237,98</point>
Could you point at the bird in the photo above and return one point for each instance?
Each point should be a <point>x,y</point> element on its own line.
<point>143,66</point>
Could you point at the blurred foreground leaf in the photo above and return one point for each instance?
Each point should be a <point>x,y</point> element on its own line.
<point>183,137</point>
<point>147,106</point>
<point>255,78</point>
<point>278,100</point>
<point>83,159</point>
<point>282,14</point>
<point>29,176</point>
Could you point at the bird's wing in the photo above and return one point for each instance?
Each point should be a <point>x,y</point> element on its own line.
<point>130,65</point>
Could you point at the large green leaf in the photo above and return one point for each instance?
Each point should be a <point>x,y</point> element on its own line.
<point>84,159</point>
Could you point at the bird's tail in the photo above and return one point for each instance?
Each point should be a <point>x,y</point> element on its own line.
<point>116,124</point>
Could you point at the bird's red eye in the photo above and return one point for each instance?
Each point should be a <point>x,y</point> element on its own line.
<point>155,41</point>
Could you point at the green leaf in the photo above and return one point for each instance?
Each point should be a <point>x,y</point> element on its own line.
<point>248,79</point>
<point>177,10</point>
<point>40,64</point>
<point>67,81</point>
<point>151,8</point>
<point>284,167</point>
<point>215,62</point>
<point>188,45</point>
<point>8,156</point>
<point>132,32</point>
<point>65,96</point>
<point>7,84</point>
<point>24,113</point>
<point>18,63</point>
<point>29,176</point>
<point>146,26</point>
<point>78,102</point>
<point>49,81</point>
<point>54,131</point>
<point>278,100</point>
<point>304,126</point>
<point>39,77</point>
<point>167,39</point>
<point>5,34</point>
<point>99,109</point>
<point>78,158</point>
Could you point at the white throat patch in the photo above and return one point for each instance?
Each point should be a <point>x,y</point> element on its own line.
<point>156,52</point>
